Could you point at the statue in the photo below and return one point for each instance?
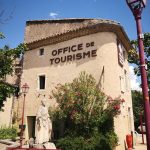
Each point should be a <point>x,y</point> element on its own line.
<point>43,127</point>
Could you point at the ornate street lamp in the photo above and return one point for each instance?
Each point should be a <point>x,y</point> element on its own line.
<point>136,7</point>
<point>25,89</point>
<point>136,4</point>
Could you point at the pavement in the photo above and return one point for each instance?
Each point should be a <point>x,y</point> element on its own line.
<point>7,143</point>
<point>138,145</point>
<point>3,146</point>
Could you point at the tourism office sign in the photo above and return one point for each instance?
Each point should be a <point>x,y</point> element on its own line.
<point>73,53</point>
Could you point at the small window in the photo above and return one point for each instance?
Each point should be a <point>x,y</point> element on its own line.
<point>121,54</point>
<point>126,80</point>
<point>41,51</point>
<point>122,85</point>
<point>124,54</point>
<point>42,82</point>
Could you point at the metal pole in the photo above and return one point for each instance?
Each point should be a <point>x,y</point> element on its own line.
<point>22,128</point>
<point>141,124</point>
<point>143,77</point>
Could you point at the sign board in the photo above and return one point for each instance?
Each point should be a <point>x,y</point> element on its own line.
<point>73,53</point>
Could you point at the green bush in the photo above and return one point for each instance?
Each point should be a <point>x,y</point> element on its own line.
<point>70,143</point>
<point>8,133</point>
<point>84,117</point>
<point>112,139</point>
<point>97,141</point>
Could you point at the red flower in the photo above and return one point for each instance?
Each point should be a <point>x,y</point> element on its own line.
<point>117,107</point>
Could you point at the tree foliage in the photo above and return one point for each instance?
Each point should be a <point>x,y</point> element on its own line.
<point>7,58</point>
<point>134,55</point>
<point>1,35</point>
<point>137,107</point>
<point>134,59</point>
<point>87,114</point>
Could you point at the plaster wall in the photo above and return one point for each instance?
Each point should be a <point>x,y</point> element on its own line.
<point>6,114</point>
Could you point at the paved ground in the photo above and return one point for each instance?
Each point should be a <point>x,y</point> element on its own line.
<point>3,146</point>
<point>138,145</point>
<point>141,147</point>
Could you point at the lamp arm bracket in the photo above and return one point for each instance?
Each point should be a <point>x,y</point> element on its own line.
<point>143,65</point>
<point>141,36</point>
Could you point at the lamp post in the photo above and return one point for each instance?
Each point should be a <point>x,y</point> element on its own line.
<point>25,89</point>
<point>136,7</point>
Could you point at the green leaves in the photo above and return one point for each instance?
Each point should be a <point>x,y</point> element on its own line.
<point>2,35</point>
<point>147,44</point>
<point>7,65</point>
<point>80,100</point>
<point>5,91</point>
<point>133,55</point>
<point>7,59</point>
<point>84,109</point>
<point>8,133</point>
<point>137,106</point>
<point>96,142</point>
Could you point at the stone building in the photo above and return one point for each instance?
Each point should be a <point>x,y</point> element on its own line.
<point>58,50</point>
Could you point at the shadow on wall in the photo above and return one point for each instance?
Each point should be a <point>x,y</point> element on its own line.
<point>101,81</point>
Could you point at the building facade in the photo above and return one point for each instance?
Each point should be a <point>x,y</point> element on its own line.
<point>58,50</point>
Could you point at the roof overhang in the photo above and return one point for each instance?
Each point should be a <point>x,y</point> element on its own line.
<point>103,26</point>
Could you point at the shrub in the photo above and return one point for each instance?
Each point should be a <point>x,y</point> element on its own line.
<point>97,141</point>
<point>70,143</point>
<point>8,133</point>
<point>86,113</point>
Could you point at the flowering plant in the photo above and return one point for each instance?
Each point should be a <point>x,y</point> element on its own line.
<point>83,107</point>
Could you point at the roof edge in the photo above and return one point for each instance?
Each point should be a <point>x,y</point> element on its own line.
<point>67,20</point>
<point>99,27</point>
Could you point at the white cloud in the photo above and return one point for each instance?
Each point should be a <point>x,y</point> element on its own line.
<point>135,85</point>
<point>53,14</point>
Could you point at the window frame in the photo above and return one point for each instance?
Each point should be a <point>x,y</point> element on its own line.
<point>41,89</point>
<point>41,52</point>
<point>126,78</point>
<point>121,53</point>
<point>122,84</point>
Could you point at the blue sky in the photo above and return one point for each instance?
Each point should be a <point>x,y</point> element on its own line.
<point>17,12</point>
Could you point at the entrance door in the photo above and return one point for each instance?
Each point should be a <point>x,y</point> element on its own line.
<point>31,126</point>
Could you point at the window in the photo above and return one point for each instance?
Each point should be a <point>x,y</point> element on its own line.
<point>126,80</point>
<point>121,54</point>
<point>42,82</point>
<point>122,85</point>
<point>41,51</point>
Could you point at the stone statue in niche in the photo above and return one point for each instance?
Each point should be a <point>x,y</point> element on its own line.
<point>43,126</point>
